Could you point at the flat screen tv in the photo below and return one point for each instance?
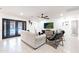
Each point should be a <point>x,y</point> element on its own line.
<point>49,25</point>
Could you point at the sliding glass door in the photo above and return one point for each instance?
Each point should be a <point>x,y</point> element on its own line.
<point>12,28</point>
<point>4,28</point>
<point>19,27</point>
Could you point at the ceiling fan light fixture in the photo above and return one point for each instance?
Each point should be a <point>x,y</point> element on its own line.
<point>44,17</point>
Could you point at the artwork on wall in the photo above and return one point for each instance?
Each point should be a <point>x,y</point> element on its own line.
<point>49,25</point>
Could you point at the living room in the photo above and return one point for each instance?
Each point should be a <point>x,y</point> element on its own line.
<point>35,19</point>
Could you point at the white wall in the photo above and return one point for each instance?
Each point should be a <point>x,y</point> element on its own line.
<point>32,27</point>
<point>66,24</point>
<point>71,43</point>
<point>37,26</point>
<point>9,17</point>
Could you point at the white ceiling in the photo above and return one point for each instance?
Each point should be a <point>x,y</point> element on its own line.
<point>35,11</point>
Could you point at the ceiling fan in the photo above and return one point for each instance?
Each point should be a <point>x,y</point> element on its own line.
<point>43,16</point>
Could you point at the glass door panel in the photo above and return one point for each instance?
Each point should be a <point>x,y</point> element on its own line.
<point>4,28</point>
<point>12,28</point>
<point>19,27</point>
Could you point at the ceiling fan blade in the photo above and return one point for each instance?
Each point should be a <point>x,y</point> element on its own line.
<point>42,16</point>
<point>47,18</point>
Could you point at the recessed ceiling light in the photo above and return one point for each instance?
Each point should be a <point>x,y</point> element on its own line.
<point>21,14</point>
<point>61,14</point>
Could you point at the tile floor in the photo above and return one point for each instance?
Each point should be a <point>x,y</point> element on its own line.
<point>15,45</point>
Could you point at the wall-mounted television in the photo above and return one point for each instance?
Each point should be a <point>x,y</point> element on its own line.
<point>49,25</point>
